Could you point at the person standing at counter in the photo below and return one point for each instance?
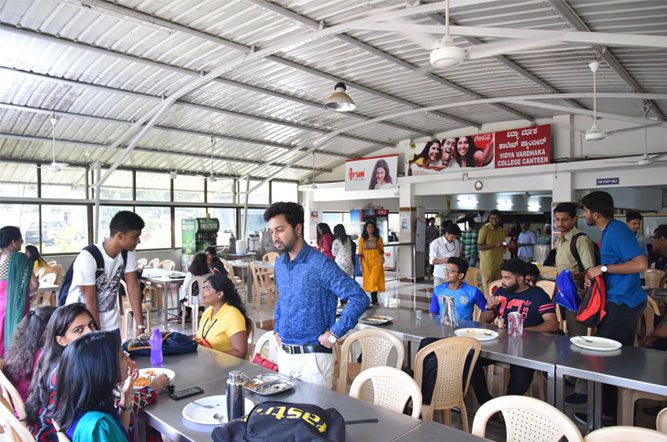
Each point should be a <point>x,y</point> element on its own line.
<point>491,248</point>
<point>526,242</point>
<point>371,254</point>
<point>309,285</point>
<point>343,249</point>
<point>442,249</point>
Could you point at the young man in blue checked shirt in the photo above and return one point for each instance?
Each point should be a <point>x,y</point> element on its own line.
<point>308,285</point>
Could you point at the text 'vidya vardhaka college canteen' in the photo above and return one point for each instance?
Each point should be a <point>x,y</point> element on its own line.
<point>333,220</point>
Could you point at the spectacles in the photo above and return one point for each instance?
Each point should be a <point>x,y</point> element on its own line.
<point>450,270</point>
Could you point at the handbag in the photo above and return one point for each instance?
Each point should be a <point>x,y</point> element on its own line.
<point>591,310</point>
<point>173,343</point>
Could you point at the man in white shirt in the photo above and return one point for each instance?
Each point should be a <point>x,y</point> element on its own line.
<point>100,294</point>
<point>526,242</point>
<point>442,249</point>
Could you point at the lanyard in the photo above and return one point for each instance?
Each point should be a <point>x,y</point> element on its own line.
<point>205,331</point>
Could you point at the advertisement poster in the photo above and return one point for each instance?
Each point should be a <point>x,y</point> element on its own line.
<point>371,173</point>
<point>510,148</point>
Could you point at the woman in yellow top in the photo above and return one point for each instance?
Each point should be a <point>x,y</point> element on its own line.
<point>371,257</point>
<point>33,253</point>
<point>222,327</point>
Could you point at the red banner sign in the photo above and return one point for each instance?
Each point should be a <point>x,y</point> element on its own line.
<point>529,146</point>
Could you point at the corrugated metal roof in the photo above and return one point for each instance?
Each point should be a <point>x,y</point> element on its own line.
<point>102,66</point>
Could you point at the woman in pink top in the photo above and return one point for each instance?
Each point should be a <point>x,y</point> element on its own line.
<point>324,240</point>
<point>26,349</point>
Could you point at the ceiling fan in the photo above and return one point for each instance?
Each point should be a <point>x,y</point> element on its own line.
<point>645,159</point>
<point>211,176</point>
<point>55,166</point>
<point>594,133</point>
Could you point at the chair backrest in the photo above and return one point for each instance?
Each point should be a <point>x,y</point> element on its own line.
<point>270,257</point>
<point>250,329</point>
<point>654,278</point>
<point>451,354</point>
<point>527,418</point>
<point>142,262</point>
<point>472,276</point>
<point>650,312</point>
<point>12,396</point>
<point>661,421</point>
<point>48,278</point>
<point>40,272</point>
<point>13,427</point>
<point>392,388</point>
<point>625,434</point>
<point>200,280</point>
<point>269,339</point>
<point>549,272</point>
<point>58,270</point>
<point>376,347</point>
<point>492,286</point>
<point>168,264</point>
<point>52,263</point>
<point>259,279</point>
<point>155,262</point>
<point>549,287</point>
<point>229,268</point>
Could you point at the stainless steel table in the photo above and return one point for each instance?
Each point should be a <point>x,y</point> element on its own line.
<point>209,370</point>
<point>637,368</point>
<point>431,431</point>
<point>244,265</point>
<point>166,278</point>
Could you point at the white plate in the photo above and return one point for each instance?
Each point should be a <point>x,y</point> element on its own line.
<point>481,334</point>
<point>595,343</point>
<point>144,372</point>
<point>376,319</point>
<point>195,412</point>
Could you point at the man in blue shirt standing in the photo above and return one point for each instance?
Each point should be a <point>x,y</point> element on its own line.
<point>465,296</point>
<point>309,285</point>
<point>622,261</point>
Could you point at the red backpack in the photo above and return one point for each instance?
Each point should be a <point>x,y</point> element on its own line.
<point>591,310</point>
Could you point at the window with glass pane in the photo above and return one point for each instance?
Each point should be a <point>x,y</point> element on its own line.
<point>283,191</point>
<point>64,228</point>
<point>118,186</point>
<point>106,213</point>
<point>259,196</point>
<point>332,218</point>
<point>153,186</point>
<point>227,218</point>
<point>69,182</point>
<point>23,216</point>
<point>221,191</point>
<point>18,180</point>
<point>157,231</point>
<point>181,213</point>
<point>255,220</point>
<point>189,189</point>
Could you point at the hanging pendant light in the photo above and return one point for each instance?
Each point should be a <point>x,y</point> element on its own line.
<point>340,101</point>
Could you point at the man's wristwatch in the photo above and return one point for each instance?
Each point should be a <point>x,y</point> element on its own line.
<point>604,269</point>
<point>332,338</point>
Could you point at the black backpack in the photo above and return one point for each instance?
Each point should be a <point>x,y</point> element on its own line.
<point>575,252</point>
<point>99,264</point>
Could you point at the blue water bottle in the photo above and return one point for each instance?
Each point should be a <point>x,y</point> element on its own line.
<point>156,348</point>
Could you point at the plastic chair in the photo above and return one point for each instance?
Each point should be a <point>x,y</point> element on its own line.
<point>238,282</point>
<point>261,285</point>
<point>268,339</point>
<point>527,419</point>
<point>13,428</point>
<point>188,304</point>
<point>58,270</point>
<point>270,257</point>
<point>11,395</point>
<point>654,278</point>
<point>376,347</point>
<point>154,263</point>
<point>448,393</point>
<point>142,262</point>
<point>623,433</point>
<point>392,388</point>
<point>661,421</point>
<point>48,278</point>
<point>40,272</point>
<point>52,263</point>
<point>128,315</point>
<point>472,276</point>
<point>550,288</point>
<point>492,286</point>
<point>167,264</point>
<point>250,329</point>
<point>549,272</point>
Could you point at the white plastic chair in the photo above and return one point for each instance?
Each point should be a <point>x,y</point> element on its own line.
<point>376,347</point>
<point>167,264</point>
<point>392,388</point>
<point>623,433</point>
<point>142,262</point>
<point>268,338</point>
<point>188,304</point>
<point>48,278</point>
<point>154,263</point>
<point>661,421</point>
<point>527,419</point>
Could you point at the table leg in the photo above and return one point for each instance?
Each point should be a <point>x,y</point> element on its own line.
<point>598,405</point>
<point>560,387</point>
<point>551,386</point>
<point>165,304</point>
<point>591,404</point>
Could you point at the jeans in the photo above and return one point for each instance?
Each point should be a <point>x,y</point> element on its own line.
<point>620,324</point>
<point>472,261</point>
<point>520,379</point>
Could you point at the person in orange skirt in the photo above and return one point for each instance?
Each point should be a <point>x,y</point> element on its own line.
<point>371,258</point>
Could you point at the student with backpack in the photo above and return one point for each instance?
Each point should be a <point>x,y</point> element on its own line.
<point>94,276</point>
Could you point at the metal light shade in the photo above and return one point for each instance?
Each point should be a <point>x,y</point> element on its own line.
<point>339,101</point>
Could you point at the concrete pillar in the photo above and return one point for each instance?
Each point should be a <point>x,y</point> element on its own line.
<point>408,215</point>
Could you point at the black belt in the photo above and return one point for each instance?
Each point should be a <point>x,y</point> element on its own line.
<point>302,349</point>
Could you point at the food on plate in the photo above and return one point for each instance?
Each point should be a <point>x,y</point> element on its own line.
<point>145,379</point>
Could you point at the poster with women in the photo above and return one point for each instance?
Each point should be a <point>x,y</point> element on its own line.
<point>510,148</point>
<point>371,173</point>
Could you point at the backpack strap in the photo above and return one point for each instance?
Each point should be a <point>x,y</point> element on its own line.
<point>123,255</point>
<point>575,252</point>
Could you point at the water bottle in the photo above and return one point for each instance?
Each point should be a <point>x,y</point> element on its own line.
<point>156,348</point>
<point>449,313</point>
<point>235,399</point>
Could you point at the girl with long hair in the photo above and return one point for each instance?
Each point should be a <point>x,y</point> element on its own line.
<point>381,178</point>
<point>91,369</point>
<point>214,262</point>
<point>371,256</point>
<point>17,283</point>
<point>429,156</point>
<point>467,154</point>
<point>223,324</point>
<point>27,345</point>
<point>33,253</point>
<point>198,267</point>
<point>342,250</point>
<point>324,240</point>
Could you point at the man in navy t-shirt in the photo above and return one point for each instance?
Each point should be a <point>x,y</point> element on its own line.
<point>465,296</point>
<point>539,314</point>
<point>622,260</point>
